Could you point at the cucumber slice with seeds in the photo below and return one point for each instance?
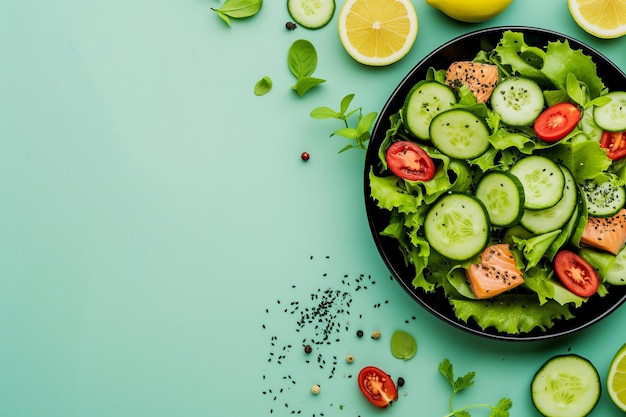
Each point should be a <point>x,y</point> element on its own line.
<point>557,216</point>
<point>542,180</point>
<point>459,134</point>
<point>518,101</point>
<point>604,195</point>
<point>311,14</point>
<point>457,226</point>
<point>426,100</point>
<point>612,116</point>
<point>566,386</point>
<point>503,196</point>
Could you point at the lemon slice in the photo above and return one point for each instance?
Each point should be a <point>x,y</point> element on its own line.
<point>616,381</point>
<point>377,32</point>
<point>604,19</point>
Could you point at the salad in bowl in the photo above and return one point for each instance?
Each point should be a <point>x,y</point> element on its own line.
<point>494,184</point>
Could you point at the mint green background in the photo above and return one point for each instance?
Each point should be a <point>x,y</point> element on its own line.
<point>152,208</point>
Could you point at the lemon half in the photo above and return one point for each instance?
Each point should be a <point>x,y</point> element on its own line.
<point>616,381</point>
<point>377,32</point>
<point>470,11</point>
<point>601,18</point>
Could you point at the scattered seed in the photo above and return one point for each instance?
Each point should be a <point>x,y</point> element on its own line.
<point>375,334</point>
<point>290,26</point>
<point>359,333</point>
<point>349,358</point>
<point>315,389</point>
<point>400,381</point>
<point>305,156</point>
<point>308,349</point>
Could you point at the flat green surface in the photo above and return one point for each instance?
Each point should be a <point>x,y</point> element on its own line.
<point>157,222</point>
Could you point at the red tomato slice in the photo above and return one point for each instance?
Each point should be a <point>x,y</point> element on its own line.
<point>555,122</point>
<point>576,274</point>
<point>407,160</point>
<point>377,386</point>
<point>614,143</point>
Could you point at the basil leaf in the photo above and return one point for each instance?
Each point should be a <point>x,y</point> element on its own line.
<point>302,58</point>
<point>263,86</point>
<point>238,9</point>
<point>306,83</point>
<point>403,345</point>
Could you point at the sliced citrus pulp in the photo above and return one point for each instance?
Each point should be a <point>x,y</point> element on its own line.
<point>377,32</point>
<point>602,18</point>
<point>616,381</point>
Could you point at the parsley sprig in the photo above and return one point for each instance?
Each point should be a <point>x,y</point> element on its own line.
<point>460,383</point>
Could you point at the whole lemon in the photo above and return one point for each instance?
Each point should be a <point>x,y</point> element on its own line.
<point>470,11</point>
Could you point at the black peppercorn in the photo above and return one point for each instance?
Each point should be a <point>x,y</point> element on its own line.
<point>308,349</point>
<point>359,333</point>
<point>305,156</point>
<point>290,25</point>
<point>400,381</point>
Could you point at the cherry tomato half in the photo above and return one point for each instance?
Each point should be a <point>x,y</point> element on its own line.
<point>614,143</point>
<point>377,386</point>
<point>555,122</point>
<point>576,274</point>
<point>407,160</point>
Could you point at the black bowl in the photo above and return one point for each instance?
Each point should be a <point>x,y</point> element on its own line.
<point>466,47</point>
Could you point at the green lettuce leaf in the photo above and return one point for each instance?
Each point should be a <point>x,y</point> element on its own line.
<point>389,195</point>
<point>523,59</point>
<point>534,248</point>
<point>511,313</point>
<point>561,60</point>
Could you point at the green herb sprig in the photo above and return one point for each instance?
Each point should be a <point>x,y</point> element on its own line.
<point>467,380</point>
<point>360,134</point>
<point>238,9</point>
<point>302,61</point>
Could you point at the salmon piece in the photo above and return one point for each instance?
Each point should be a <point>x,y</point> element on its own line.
<point>606,233</point>
<point>481,79</point>
<point>496,273</point>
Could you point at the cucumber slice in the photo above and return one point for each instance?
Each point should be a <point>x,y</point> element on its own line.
<point>589,126</point>
<point>612,116</point>
<point>616,273</point>
<point>542,180</point>
<point>604,195</point>
<point>518,101</point>
<point>557,216</point>
<point>425,100</point>
<point>457,226</point>
<point>566,386</point>
<point>459,134</point>
<point>503,196</point>
<point>311,14</point>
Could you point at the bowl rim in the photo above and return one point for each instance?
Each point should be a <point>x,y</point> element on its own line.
<point>378,131</point>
